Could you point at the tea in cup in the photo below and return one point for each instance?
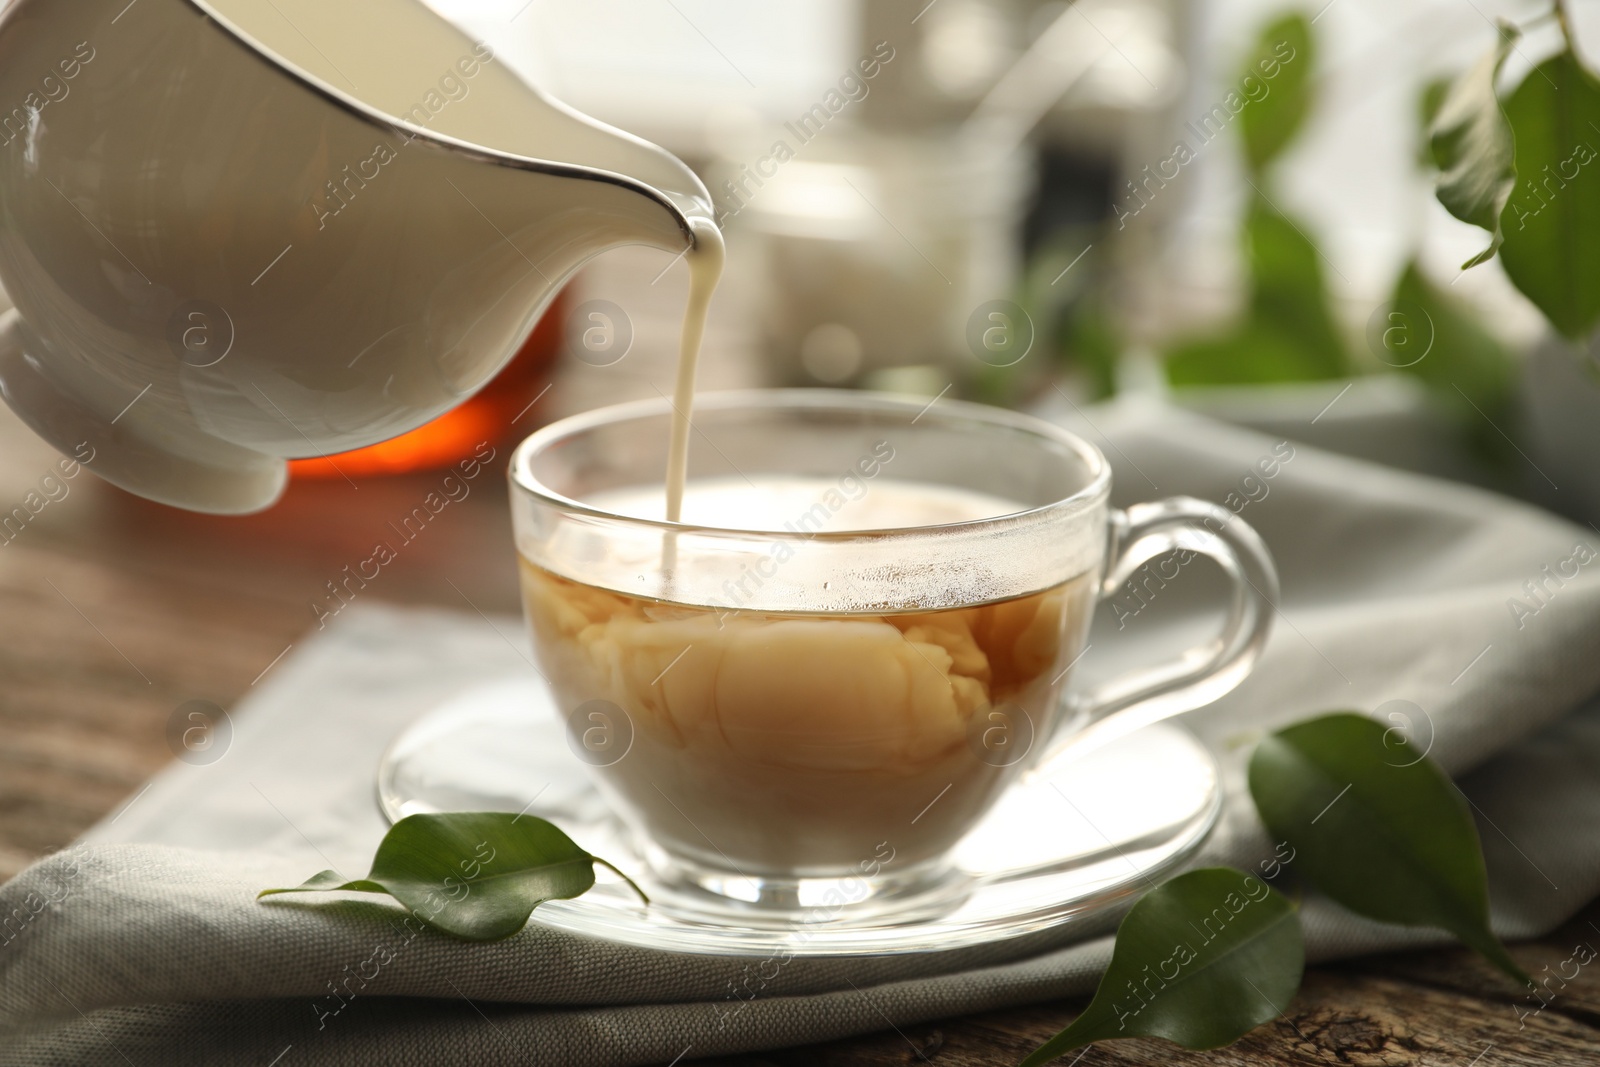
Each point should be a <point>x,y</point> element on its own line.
<point>856,636</point>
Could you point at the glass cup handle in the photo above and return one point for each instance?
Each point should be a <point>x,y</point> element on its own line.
<point>1202,673</point>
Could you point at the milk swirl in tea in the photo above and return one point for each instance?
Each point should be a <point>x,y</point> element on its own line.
<point>785,742</point>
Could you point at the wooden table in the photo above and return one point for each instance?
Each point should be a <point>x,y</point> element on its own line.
<point>113,612</point>
<point>1439,1009</point>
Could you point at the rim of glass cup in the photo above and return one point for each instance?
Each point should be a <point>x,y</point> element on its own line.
<point>394,124</point>
<point>522,477</point>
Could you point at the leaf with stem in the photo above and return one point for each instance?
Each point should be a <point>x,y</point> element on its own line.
<point>1551,222</point>
<point>1471,374</point>
<point>475,875</point>
<point>1471,142</point>
<point>1281,64</point>
<point>1377,826</point>
<point>1288,333</point>
<point>1201,960</point>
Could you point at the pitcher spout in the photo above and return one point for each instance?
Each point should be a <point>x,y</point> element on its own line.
<point>432,81</point>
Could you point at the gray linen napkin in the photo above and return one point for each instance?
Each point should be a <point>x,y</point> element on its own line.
<point>144,943</point>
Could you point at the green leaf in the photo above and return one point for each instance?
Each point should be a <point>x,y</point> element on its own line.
<point>1378,828</point>
<point>1468,369</point>
<point>1250,354</point>
<point>1201,960</point>
<point>1288,334</point>
<point>476,875</point>
<point>1471,143</point>
<point>327,881</point>
<point>1281,62</point>
<point>1090,340</point>
<point>1429,100</point>
<point>1288,294</point>
<point>1552,220</point>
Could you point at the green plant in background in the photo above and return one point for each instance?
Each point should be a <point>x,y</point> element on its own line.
<point>1421,331</point>
<point>1287,332</point>
<point>1470,143</point>
<point>1526,168</point>
<point>1210,955</point>
<point>1470,373</point>
<point>1065,301</point>
<point>1269,124</point>
<point>1065,292</point>
<point>1089,339</point>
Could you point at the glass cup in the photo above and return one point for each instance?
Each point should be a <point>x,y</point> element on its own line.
<point>781,713</point>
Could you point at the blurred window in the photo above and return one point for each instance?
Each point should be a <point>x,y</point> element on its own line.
<point>675,71</point>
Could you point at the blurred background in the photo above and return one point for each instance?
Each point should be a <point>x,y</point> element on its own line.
<point>1003,210</point>
<point>1220,205</point>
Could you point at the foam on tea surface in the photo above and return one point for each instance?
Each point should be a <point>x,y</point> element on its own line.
<point>888,565</point>
<point>798,504</point>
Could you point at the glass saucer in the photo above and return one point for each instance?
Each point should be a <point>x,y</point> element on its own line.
<point>1065,843</point>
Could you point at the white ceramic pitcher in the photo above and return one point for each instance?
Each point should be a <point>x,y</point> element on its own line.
<point>242,231</point>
